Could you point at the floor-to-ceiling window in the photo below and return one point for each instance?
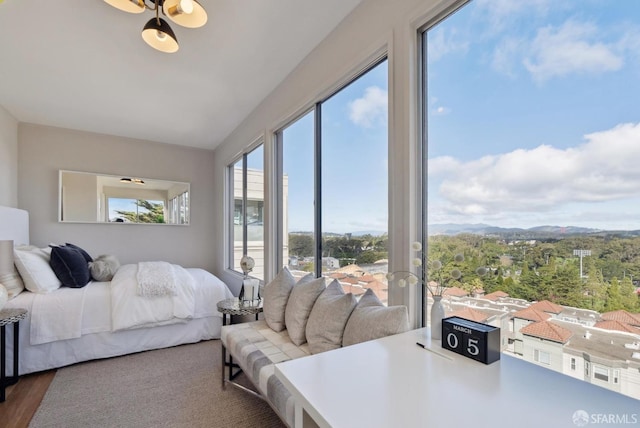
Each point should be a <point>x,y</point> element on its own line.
<point>532,144</point>
<point>334,189</point>
<point>246,182</point>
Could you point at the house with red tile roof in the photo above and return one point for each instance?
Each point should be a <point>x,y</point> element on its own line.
<point>622,316</point>
<point>470,314</point>
<point>522,319</point>
<point>547,306</point>
<point>543,344</point>
<point>455,292</point>
<point>616,325</point>
<point>495,295</point>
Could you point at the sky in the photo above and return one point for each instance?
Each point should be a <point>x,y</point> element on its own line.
<point>533,119</point>
<point>534,114</point>
<point>354,160</point>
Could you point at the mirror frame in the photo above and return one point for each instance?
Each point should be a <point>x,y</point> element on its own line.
<point>91,198</point>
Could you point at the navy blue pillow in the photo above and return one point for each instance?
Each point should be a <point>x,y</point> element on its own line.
<point>70,266</point>
<point>86,255</point>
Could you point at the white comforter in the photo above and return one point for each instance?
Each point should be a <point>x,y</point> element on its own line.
<point>70,313</point>
<point>129,309</point>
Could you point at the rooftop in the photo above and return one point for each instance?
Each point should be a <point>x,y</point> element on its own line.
<point>547,330</point>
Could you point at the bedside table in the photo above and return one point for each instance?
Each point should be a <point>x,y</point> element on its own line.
<point>233,306</point>
<point>229,307</point>
<point>8,317</point>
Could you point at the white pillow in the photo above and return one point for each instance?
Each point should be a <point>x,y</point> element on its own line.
<point>276,295</point>
<point>12,282</point>
<point>303,296</point>
<point>33,266</point>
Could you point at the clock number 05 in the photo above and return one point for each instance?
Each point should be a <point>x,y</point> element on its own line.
<point>472,344</point>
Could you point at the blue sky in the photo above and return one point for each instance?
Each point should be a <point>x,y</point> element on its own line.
<point>354,160</point>
<point>533,119</point>
<point>533,114</point>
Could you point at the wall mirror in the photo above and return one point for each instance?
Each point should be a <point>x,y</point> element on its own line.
<point>98,198</point>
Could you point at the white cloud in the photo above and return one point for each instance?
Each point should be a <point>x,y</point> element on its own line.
<point>506,55</point>
<point>504,13</point>
<point>605,168</point>
<point>371,109</point>
<point>441,44</point>
<point>571,48</point>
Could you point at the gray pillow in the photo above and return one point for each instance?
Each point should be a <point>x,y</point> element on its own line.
<point>303,296</point>
<point>276,295</point>
<point>103,267</point>
<point>372,320</point>
<point>328,318</point>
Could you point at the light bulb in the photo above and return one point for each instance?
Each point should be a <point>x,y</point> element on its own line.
<point>161,36</point>
<point>185,6</point>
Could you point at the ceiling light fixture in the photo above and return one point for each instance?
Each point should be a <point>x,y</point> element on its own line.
<point>157,33</point>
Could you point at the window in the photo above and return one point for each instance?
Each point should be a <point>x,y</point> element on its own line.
<point>333,188</point>
<point>135,210</point>
<point>542,357</point>
<point>573,363</point>
<point>178,209</point>
<point>246,182</point>
<point>616,376</point>
<point>528,158</point>
<point>601,373</point>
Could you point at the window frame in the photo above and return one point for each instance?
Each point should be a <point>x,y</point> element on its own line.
<point>230,202</point>
<point>316,109</point>
<point>421,162</point>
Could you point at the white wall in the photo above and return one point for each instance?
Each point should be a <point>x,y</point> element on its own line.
<point>43,151</point>
<point>373,27</point>
<point>8,159</point>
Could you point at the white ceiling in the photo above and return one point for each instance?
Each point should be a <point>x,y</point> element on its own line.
<point>81,64</point>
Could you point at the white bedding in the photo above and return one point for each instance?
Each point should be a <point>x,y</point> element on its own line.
<point>131,310</point>
<point>95,338</point>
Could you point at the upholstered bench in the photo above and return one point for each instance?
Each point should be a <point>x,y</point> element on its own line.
<point>301,319</point>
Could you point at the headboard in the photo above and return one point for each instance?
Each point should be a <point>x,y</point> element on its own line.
<point>14,225</point>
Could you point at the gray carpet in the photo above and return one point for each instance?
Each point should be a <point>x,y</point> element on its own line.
<point>174,387</point>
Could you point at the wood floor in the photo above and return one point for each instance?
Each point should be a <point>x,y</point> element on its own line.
<point>23,399</point>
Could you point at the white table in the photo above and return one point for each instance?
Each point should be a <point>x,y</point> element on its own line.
<point>392,382</point>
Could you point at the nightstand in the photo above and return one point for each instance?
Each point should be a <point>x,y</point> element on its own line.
<point>7,317</point>
<point>229,307</point>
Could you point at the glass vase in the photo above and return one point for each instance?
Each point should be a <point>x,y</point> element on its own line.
<point>437,314</point>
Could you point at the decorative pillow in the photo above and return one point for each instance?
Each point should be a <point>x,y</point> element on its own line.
<point>276,295</point>
<point>104,267</point>
<point>12,282</point>
<point>33,266</point>
<point>70,266</point>
<point>86,255</point>
<point>303,296</point>
<point>9,276</point>
<point>328,318</point>
<point>372,320</point>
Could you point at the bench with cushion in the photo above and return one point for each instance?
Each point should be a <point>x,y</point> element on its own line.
<point>301,319</point>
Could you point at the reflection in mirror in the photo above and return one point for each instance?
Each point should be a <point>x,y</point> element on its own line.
<point>97,198</point>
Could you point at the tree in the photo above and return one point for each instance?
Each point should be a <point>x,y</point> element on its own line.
<point>154,212</point>
<point>568,288</point>
<point>301,245</point>
<point>614,300</point>
<point>628,296</point>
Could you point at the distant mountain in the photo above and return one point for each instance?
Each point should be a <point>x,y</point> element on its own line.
<point>537,232</point>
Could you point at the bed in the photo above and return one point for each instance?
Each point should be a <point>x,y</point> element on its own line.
<point>71,325</point>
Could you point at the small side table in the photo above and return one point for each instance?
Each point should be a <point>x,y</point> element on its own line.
<point>227,308</point>
<point>7,317</point>
<point>233,306</point>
